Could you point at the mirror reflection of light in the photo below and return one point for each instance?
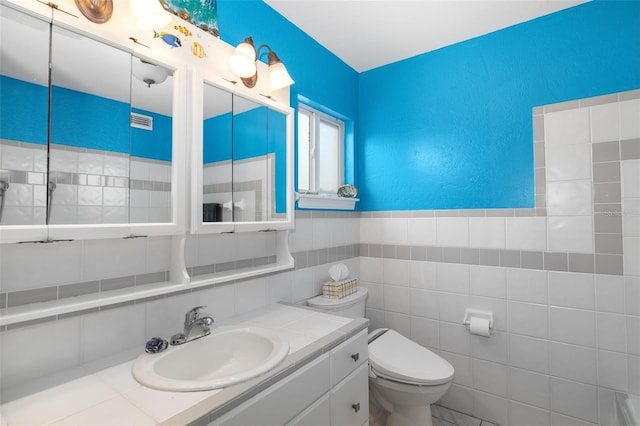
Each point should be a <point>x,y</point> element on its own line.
<point>149,73</point>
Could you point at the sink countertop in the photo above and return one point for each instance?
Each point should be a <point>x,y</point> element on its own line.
<point>105,392</point>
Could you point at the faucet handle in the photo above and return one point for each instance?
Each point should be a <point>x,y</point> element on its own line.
<point>193,314</point>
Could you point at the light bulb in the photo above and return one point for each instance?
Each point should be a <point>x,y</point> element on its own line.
<point>243,61</point>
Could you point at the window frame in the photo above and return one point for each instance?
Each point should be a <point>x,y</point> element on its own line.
<point>315,118</point>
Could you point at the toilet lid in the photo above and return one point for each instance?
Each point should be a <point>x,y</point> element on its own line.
<point>394,357</point>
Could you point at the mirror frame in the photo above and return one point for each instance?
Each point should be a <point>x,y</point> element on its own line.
<point>178,178</point>
<point>197,82</point>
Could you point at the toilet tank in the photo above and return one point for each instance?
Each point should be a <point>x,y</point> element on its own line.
<point>351,306</point>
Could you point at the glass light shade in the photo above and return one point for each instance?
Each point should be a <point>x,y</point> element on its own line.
<point>144,7</point>
<point>243,61</point>
<point>149,73</point>
<point>149,14</point>
<point>279,76</point>
<point>152,21</point>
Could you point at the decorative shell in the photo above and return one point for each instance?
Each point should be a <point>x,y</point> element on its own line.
<point>347,190</point>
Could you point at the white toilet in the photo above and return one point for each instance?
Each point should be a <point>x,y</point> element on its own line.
<point>405,378</point>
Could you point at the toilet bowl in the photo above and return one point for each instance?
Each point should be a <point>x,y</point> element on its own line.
<point>405,378</point>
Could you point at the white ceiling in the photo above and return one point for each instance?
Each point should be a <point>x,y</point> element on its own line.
<point>370,33</point>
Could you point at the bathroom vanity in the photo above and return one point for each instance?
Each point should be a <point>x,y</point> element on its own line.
<point>323,381</point>
<point>330,388</point>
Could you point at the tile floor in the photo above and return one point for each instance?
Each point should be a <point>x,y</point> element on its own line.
<point>445,417</point>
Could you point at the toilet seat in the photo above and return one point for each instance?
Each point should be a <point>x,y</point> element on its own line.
<point>396,358</point>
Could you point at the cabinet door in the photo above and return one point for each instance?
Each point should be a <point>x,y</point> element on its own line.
<point>350,399</point>
<point>318,414</point>
<point>217,175</point>
<point>90,141</point>
<point>250,175</point>
<point>24,86</point>
<point>348,356</point>
<point>281,402</point>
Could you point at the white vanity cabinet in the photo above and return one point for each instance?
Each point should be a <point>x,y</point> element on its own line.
<point>330,390</point>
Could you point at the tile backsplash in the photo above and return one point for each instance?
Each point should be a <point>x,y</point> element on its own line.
<point>561,278</point>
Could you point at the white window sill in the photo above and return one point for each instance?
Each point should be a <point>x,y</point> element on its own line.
<point>331,202</point>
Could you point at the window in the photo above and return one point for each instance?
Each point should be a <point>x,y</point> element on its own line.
<point>320,152</point>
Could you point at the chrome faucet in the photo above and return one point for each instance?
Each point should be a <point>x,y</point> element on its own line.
<point>196,325</point>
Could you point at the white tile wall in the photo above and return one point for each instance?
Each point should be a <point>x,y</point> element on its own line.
<point>452,231</point>
<point>567,127</point>
<point>487,281</point>
<point>610,293</point>
<point>487,232</point>
<point>527,285</point>
<point>570,234</point>
<point>526,233</point>
<point>529,388</point>
<point>529,353</point>
<point>421,231</point>
<point>629,119</point>
<point>571,290</point>
<point>522,414</point>
<point>453,277</point>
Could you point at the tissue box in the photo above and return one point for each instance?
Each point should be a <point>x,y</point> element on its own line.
<point>340,289</point>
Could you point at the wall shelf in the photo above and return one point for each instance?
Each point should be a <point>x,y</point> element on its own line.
<point>329,202</point>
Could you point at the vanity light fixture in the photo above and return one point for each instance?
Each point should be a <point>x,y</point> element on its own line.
<point>148,73</point>
<point>149,14</point>
<point>243,64</point>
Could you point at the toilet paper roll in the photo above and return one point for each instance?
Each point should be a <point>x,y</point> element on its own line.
<point>479,326</point>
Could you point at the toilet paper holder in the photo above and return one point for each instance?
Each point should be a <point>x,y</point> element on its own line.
<point>476,313</point>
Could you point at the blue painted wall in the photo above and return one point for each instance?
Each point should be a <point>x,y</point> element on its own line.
<point>452,129</point>
<point>277,143</point>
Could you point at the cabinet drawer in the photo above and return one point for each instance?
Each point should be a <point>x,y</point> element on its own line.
<point>281,402</point>
<point>318,414</point>
<point>348,356</point>
<point>350,399</point>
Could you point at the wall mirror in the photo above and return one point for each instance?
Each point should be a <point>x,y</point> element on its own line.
<point>105,120</point>
<point>24,82</point>
<point>217,171</point>
<point>277,125</point>
<point>251,183</point>
<point>244,147</point>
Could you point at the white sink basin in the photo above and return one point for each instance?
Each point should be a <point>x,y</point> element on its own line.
<point>229,355</point>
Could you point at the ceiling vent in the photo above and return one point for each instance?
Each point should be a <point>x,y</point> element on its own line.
<point>140,121</point>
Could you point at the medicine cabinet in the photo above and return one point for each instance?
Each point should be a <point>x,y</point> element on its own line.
<point>90,145</point>
<point>241,160</point>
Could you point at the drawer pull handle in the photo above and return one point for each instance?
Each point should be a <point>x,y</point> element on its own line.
<point>356,357</point>
<point>356,407</point>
